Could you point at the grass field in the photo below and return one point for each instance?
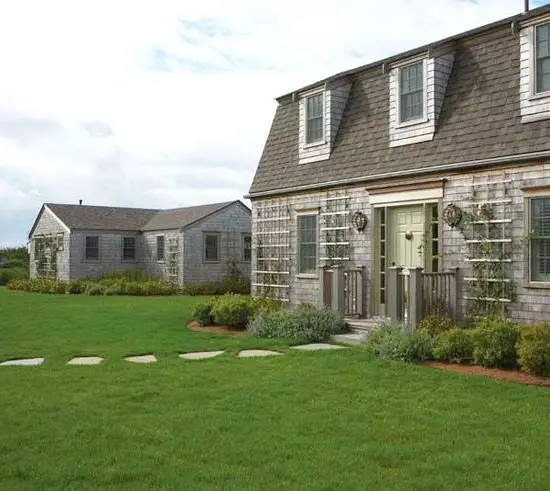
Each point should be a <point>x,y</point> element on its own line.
<point>322,421</point>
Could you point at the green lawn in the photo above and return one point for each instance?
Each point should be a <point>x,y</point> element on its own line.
<point>322,421</point>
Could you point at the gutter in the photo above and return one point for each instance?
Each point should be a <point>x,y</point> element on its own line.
<point>387,175</point>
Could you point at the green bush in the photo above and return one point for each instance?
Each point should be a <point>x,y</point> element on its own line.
<point>17,263</point>
<point>21,285</point>
<point>265,305</point>
<point>9,274</point>
<point>533,349</point>
<point>297,326</point>
<point>235,284</point>
<point>133,274</point>
<point>111,291</point>
<point>131,288</point>
<point>95,290</point>
<point>495,341</point>
<point>306,306</point>
<point>434,325</point>
<point>191,289</point>
<point>454,346</point>
<point>76,287</point>
<point>233,310</point>
<point>209,288</point>
<point>203,312</point>
<point>397,343</point>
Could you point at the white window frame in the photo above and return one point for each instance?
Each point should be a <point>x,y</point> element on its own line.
<point>424,117</point>
<point>157,248</point>
<point>244,236</point>
<point>60,237</point>
<point>122,249</point>
<point>322,140</point>
<point>98,258</point>
<point>301,274</point>
<point>218,247</point>
<point>535,93</point>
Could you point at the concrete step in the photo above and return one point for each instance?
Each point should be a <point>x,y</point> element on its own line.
<point>361,325</point>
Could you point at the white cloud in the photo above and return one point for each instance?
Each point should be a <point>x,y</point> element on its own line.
<point>168,103</point>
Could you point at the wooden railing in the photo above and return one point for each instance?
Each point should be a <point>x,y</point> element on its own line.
<point>414,294</point>
<point>344,290</point>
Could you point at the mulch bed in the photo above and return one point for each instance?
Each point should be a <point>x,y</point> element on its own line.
<point>230,331</point>
<point>496,373</point>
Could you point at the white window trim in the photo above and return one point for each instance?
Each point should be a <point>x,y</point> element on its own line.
<point>86,259</point>
<point>322,140</point>
<point>211,261</point>
<point>300,274</point>
<point>160,261</point>
<point>534,95</point>
<point>424,118</point>
<point>122,249</point>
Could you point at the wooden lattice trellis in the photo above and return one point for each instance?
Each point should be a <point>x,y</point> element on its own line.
<point>335,246</point>
<point>172,260</point>
<point>271,243</point>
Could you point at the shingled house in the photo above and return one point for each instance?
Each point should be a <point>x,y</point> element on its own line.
<point>429,160</point>
<point>193,244</point>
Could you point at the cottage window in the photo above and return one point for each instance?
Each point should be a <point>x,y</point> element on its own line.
<point>128,248</point>
<point>314,117</point>
<point>38,248</point>
<point>92,248</point>
<point>160,247</point>
<point>307,244</point>
<point>411,92</point>
<point>540,243</point>
<point>542,50</point>
<point>247,247</point>
<point>211,249</point>
<point>60,237</point>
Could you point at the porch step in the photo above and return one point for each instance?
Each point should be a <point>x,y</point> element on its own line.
<point>352,338</point>
<point>365,325</point>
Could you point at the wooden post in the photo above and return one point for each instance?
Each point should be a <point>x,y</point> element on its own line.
<point>415,297</point>
<point>394,294</point>
<point>456,289</point>
<point>364,290</point>
<point>338,289</point>
<point>322,287</point>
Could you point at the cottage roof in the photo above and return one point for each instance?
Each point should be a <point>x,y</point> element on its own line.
<point>479,120</point>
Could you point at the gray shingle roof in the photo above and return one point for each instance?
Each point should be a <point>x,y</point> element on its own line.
<point>480,119</point>
<point>182,217</point>
<point>101,217</point>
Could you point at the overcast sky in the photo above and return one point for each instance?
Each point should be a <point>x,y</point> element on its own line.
<point>168,103</point>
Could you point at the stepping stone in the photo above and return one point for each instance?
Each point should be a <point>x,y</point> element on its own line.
<point>317,347</point>
<point>352,338</point>
<point>24,362</point>
<point>141,359</point>
<point>85,360</point>
<point>200,355</point>
<point>252,353</point>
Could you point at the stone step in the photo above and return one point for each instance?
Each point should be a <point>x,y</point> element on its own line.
<point>365,324</point>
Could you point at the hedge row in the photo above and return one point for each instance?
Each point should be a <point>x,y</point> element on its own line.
<point>493,342</point>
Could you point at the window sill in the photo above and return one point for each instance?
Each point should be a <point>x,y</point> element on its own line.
<point>540,95</point>
<point>315,144</point>
<point>307,276</point>
<point>537,284</point>
<point>413,122</point>
<point>211,262</point>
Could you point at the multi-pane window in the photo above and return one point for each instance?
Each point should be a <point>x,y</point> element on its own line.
<point>307,244</point>
<point>59,241</point>
<point>411,92</point>
<point>129,248</point>
<point>247,247</point>
<point>92,247</point>
<point>211,249</point>
<point>542,50</point>
<point>540,243</point>
<point>160,247</point>
<point>314,118</point>
<point>38,248</point>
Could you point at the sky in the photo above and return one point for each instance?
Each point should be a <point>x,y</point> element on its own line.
<point>162,104</point>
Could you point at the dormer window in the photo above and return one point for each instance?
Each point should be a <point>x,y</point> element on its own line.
<point>542,52</point>
<point>411,92</point>
<point>314,118</point>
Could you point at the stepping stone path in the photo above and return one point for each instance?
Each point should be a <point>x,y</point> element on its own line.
<point>23,362</point>
<point>85,360</point>
<point>200,355</point>
<point>317,347</point>
<point>141,359</point>
<point>253,353</point>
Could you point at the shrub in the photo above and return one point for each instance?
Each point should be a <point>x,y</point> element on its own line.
<point>235,284</point>
<point>158,287</point>
<point>95,290</point>
<point>297,326</point>
<point>203,312</point>
<point>9,274</point>
<point>261,304</point>
<point>133,274</point>
<point>76,287</point>
<point>306,306</point>
<point>209,288</point>
<point>454,346</point>
<point>21,285</point>
<point>397,343</point>
<point>495,341</point>
<point>17,263</point>
<point>233,310</point>
<point>131,288</point>
<point>190,288</point>
<point>434,325</point>
<point>533,349</point>
<point>113,290</point>
<point>59,287</point>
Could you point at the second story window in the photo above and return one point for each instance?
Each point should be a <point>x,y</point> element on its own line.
<point>314,118</point>
<point>411,92</point>
<point>542,50</point>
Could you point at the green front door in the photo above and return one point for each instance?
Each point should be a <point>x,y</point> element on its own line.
<point>406,237</point>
